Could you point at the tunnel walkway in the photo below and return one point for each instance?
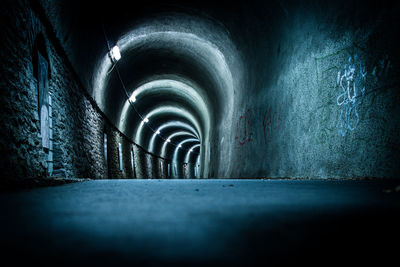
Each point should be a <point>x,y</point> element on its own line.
<point>180,222</point>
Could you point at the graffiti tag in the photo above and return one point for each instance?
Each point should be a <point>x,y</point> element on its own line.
<point>243,133</point>
<point>351,83</point>
<point>271,122</point>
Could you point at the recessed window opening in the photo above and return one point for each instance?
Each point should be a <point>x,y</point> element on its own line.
<point>120,156</point>
<point>43,93</point>
<point>41,70</point>
<point>132,161</point>
<point>184,169</point>
<point>105,151</point>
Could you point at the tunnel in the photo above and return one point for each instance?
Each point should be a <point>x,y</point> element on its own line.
<point>199,133</point>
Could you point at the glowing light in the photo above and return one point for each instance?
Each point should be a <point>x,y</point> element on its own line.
<point>180,146</point>
<point>115,53</point>
<point>146,120</point>
<point>168,140</point>
<point>184,89</point>
<point>158,132</point>
<point>175,134</point>
<point>167,110</point>
<point>187,157</point>
<point>176,151</point>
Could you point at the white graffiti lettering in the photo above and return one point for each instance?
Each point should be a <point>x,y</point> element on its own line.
<point>351,83</point>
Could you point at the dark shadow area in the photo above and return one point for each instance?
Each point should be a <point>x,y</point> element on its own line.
<point>360,237</point>
<point>354,237</point>
<point>11,185</point>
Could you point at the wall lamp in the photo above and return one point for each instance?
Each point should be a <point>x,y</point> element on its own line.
<point>115,54</point>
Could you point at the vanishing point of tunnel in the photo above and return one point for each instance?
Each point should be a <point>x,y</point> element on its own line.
<point>155,133</point>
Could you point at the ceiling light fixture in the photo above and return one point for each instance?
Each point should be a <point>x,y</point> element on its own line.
<point>115,54</point>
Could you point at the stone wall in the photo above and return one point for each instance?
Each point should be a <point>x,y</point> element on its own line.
<point>20,140</point>
<point>78,126</point>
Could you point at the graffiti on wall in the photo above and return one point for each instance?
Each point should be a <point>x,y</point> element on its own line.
<point>351,83</point>
<point>271,123</point>
<point>243,129</point>
<point>380,70</point>
<point>347,77</point>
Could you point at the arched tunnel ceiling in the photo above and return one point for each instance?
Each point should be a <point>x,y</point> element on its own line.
<point>169,131</point>
<point>182,46</point>
<point>165,92</point>
<point>167,111</point>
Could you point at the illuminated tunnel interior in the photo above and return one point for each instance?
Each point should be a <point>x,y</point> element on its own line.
<point>199,132</point>
<point>175,69</point>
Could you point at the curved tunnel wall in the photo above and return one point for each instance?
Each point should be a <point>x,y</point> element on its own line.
<point>324,93</point>
<point>312,91</point>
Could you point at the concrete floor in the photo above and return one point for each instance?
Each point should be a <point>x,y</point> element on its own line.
<point>190,222</point>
